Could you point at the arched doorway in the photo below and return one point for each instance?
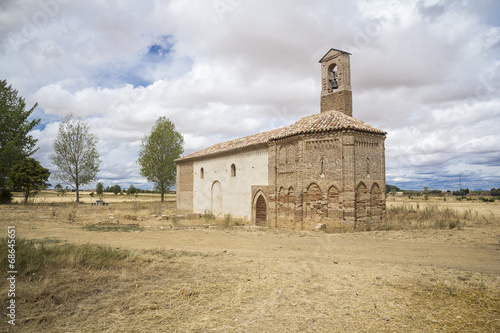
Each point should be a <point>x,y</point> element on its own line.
<point>216,203</point>
<point>376,203</point>
<point>360,204</point>
<point>333,203</point>
<point>290,211</point>
<point>261,211</point>
<point>312,198</point>
<point>282,203</point>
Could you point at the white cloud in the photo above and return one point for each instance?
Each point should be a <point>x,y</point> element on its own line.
<point>427,72</point>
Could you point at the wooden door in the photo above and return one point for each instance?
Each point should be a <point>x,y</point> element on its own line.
<point>261,212</point>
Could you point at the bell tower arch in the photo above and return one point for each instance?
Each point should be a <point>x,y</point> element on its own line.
<point>336,93</point>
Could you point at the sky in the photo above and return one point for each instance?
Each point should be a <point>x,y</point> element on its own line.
<point>427,72</point>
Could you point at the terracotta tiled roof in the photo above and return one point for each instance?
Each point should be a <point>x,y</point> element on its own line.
<point>331,121</point>
<point>252,140</point>
<point>326,122</point>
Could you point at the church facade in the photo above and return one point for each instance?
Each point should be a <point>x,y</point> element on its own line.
<point>326,169</point>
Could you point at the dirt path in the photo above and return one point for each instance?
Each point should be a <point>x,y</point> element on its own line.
<point>466,250</point>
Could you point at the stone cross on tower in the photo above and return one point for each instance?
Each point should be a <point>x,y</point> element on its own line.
<point>336,93</point>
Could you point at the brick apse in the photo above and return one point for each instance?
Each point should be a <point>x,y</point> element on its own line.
<point>327,168</point>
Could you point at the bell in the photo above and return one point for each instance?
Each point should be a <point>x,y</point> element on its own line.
<point>334,83</point>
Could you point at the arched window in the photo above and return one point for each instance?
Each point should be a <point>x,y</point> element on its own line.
<point>233,170</point>
<point>202,173</point>
<point>322,168</point>
<point>333,77</point>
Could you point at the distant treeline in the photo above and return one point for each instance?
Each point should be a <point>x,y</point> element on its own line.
<point>115,189</point>
<point>131,190</point>
<point>394,189</point>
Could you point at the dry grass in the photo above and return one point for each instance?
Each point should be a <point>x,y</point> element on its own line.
<point>85,197</point>
<point>436,213</point>
<point>190,292</point>
<point>164,276</point>
<point>432,216</point>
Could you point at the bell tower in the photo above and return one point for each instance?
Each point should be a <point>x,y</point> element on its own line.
<point>336,93</point>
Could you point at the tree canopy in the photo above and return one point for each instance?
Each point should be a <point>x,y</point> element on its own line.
<point>132,190</point>
<point>99,189</point>
<point>29,176</point>
<point>159,149</point>
<point>75,154</point>
<point>16,143</point>
<point>115,189</point>
<point>391,188</point>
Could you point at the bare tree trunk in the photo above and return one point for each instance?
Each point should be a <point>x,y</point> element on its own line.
<point>77,185</point>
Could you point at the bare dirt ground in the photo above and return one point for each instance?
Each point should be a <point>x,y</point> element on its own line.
<point>247,279</point>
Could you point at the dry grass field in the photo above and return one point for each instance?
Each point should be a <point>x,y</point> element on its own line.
<point>136,266</point>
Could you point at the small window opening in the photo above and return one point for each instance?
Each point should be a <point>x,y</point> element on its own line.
<point>233,170</point>
<point>322,167</point>
<point>333,78</point>
<point>202,173</point>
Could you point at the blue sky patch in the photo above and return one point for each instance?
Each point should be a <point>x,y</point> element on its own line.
<point>141,73</point>
<point>45,118</point>
<point>161,50</point>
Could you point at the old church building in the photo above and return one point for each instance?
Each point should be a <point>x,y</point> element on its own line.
<point>326,168</point>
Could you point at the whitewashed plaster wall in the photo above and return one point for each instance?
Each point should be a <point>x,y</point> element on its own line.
<point>234,194</point>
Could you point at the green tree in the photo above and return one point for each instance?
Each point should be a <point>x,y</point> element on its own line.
<point>75,154</point>
<point>60,190</point>
<point>15,142</point>
<point>132,190</point>
<point>461,192</point>
<point>29,176</point>
<point>99,189</point>
<point>392,189</point>
<point>5,196</point>
<point>116,189</point>
<point>159,149</point>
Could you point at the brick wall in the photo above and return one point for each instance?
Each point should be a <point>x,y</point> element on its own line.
<point>317,177</point>
<point>338,101</point>
<point>370,180</point>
